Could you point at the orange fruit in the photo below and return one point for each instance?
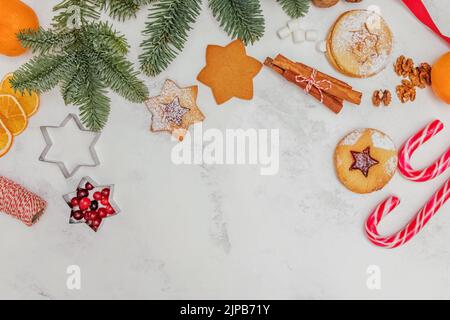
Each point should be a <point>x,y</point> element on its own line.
<point>12,114</point>
<point>29,102</point>
<point>15,16</point>
<point>440,78</point>
<point>6,139</point>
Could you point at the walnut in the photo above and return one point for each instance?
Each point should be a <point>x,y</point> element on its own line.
<point>425,73</point>
<point>381,96</point>
<point>387,98</point>
<point>404,66</point>
<point>406,91</point>
<point>377,97</point>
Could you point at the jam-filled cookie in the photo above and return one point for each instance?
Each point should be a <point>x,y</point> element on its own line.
<point>365,160</point>
<point>359,43</point>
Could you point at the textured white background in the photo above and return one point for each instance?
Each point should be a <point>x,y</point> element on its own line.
<point>225,231</point>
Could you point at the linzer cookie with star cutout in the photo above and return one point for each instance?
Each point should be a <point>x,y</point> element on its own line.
<point>365,160</point>
<point>175,109</point>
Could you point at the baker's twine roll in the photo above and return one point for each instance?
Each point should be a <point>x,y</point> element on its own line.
<point>20,203</point>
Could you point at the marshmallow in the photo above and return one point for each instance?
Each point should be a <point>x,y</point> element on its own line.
<point>312,35</point>
<point>299,36</point>
<point>284,33</point>
<point>294,25</point>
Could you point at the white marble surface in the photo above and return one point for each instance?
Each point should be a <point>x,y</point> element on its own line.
<point>226,231</point>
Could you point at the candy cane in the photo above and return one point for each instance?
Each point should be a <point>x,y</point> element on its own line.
<point>411,145</point>
<point>413,227</point>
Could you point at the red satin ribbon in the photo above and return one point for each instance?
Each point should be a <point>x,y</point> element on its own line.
<point>420,11</point>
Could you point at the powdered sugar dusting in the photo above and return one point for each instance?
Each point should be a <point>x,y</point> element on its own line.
<point>382,141</point>
<point>352,137</point>
<point>391,165</point>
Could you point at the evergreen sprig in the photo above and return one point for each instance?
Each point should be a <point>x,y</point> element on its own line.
<point>83,61</point>
<point>295,8</point>
<point>123,9</point>
<point>240,19</point>
<point>166,33</point>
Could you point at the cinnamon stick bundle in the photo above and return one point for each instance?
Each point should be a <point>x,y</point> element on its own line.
<point>332,95</point>
<point>333,103</point>
<point>338,88</point>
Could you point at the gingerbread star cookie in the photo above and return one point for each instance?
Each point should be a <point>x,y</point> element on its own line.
<point>365,160</point>
<point>175,109</point>
<point>229,72</point>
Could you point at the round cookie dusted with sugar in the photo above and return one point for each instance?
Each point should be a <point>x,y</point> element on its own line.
<point>359,43</point>
<point>365,160</point>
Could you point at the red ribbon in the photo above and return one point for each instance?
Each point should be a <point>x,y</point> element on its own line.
<point>420,11</point>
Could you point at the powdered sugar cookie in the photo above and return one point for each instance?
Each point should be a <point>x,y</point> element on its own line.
<point>365,160</point>
<point>359,43</point>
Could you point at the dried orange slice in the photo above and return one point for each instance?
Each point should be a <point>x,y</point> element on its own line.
<point>6,139</point>
<point>29,102</point>
<point>12,115</point>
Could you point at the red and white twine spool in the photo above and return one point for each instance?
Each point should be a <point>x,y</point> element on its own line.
<point>20,203</point>
<point>411,145</point>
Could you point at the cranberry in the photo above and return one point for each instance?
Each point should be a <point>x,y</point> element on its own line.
<point>102,213</point>
<point>104,202</point>
<point>105,192</point>
<point>87,215</point>
<point>77,215</point>
<point>74,202</point>
<point>70,205</point>
<point>97,195</point>
<point>93,215</point>
<point>94,205</point>
<point>89,186</point>
<point>84,203</point>
<point>96,223</point>
<point>82,193</point>
<point>110,210</point>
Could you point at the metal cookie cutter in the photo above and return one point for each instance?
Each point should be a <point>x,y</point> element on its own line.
<point>49,143</point>
<point>111,207</point>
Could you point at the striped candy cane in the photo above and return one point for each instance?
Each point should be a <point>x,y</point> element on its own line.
<point>413,227</point>
<point>411,145</point>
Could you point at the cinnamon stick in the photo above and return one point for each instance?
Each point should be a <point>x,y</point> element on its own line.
<point>338,88</point>
<point>333,103</point>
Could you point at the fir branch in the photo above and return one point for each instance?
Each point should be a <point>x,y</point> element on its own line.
<point>93,102</point>
<point>43,41</point>
<point>72,79</point>
<point>295,8</point>
<point>241,19</point>
<point>102,35</point>
<point>40,74</point>
<point>123,9</point>
<point>84,61</point>
<point>117,73</point>
<point>166,33</point>
<point>73,12</point>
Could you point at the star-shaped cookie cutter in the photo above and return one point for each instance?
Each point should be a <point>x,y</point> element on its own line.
<point>96,187</point>
<point>49,143</point>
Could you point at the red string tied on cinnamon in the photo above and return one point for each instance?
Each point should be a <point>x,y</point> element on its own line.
<point>311,81</point>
